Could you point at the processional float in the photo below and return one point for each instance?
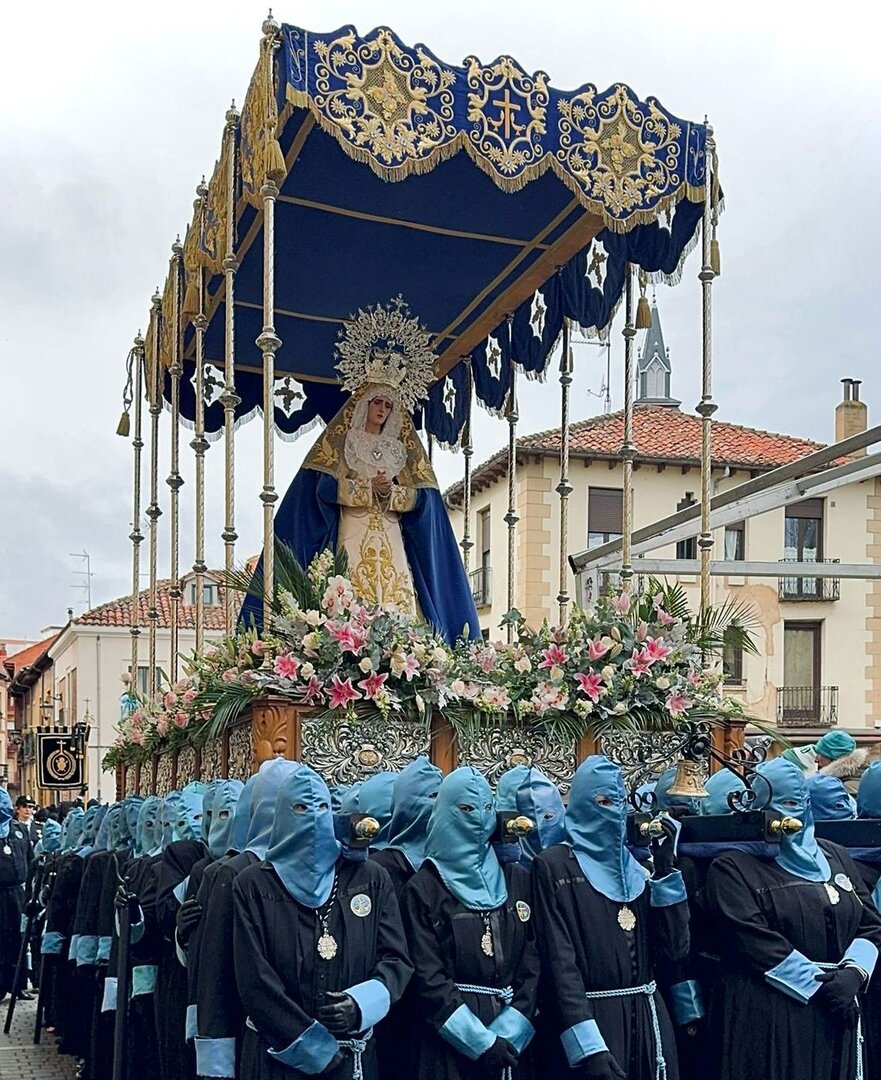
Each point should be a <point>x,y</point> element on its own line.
<point>505,211</point>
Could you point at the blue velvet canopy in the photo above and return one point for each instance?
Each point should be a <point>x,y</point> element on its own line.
<point>494,204</point>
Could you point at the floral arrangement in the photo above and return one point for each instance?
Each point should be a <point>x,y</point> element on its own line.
<point>636,662</point>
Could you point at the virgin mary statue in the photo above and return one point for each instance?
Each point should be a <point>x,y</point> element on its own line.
<point>367,484</point>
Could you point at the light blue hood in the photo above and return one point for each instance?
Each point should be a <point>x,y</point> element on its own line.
<point>267,785</point>
<point>459,831</point>
<point>188,824</point>
<point>5,813</point>
<point>598,831</point>
<point>869,792</point>
<point>830,800</point>
<point>373,797</point>
<point>507,786</point>
<point>50,841</point>
<point>719,786</point>
<point>303,850</point>
<point>413,797</point>
<point>150,826</point>
<point>224,800</point>
<point>539,799</point>
<point>71,830</point>
<point>800,855</point>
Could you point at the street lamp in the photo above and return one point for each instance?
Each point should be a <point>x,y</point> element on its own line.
<point>47,708</point>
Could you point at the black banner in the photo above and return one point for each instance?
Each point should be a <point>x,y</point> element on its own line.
<point>58,764</point>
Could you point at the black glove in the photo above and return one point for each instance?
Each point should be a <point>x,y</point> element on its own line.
<point>501,1055</point>
<point>33,908</point>
<point>601,1066</point>
<point>188,918</point>
<point>838,993</point>
<point>125,899</point>
<point>334,1063</point>
<point>664,849</point>
<point>341,1015</point>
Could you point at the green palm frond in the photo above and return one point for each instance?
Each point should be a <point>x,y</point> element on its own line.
<point>290,577</point>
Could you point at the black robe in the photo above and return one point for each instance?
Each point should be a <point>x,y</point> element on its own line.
<point>67,891</point>
<point>13,872</point>
<point>60,912</point>
<point>585,950</point>
<point>102,1031</point>
<point>764,914</point>
<point>211,972</point>
<point>445,949</point>
<point>175,1058</point>
<point>281,978</point>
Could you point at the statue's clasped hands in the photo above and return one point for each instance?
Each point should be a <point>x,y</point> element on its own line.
<point>382,485</point>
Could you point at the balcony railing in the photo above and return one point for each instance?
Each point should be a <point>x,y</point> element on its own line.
<point>807,706</point>
<point>481,586</point>
<point>809,588</point>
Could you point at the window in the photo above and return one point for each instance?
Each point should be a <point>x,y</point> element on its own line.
<point>484,537</point>
<point>802,665</point>
<point>210,594</point>
<point>654,380</point>
<point>686,549</point>
<point>161,678</point>
<point>732,663</point>
<point>605,515</point>
<point>803,535</point>
<point>735,542</point>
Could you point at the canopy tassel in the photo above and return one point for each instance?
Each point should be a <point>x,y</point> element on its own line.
<point>715,260</point>
<point>191,297</point>
<point>643,311</point>
<point>276,168</point>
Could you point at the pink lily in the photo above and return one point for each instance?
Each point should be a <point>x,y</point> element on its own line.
<point>664,618</point>
<point>311,692</point>
<point>641,662</point>
<point>596,650</point>
<point>677,703</point>
<point>342,692</point>
<point>590,685</point>
<point>286,667</point>
<point>554,656</point>
<point>622,604</point>
<point>655,649</point>
<point>411,667</point>
<point>373,684</point>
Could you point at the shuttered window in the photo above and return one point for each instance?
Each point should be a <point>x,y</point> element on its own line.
<point>605,513</point>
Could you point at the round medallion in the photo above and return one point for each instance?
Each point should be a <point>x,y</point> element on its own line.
<point>60,764</point>
<point>486,944</point>
<point>368,756</point>
<point>361,905</point>
<point>844,882</point>
<point>327,946</point>
<point>626,919</point>
<point>7,850</point>
<point>834,895</point>
<point>518,756</point>
<point>524,912</point>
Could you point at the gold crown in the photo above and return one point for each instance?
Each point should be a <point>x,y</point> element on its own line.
<point>386,344</point>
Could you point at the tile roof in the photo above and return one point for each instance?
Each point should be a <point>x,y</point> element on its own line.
<point>661,434</point>
<point>25,657</point>
<point>118,612</point>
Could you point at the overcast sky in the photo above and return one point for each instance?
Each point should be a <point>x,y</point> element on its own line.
<point>110,113</point>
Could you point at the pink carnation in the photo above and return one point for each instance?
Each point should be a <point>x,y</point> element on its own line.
<point>181,719</point>
<point>162,727</point>
<point>170,700</point>
<point>189,695</point>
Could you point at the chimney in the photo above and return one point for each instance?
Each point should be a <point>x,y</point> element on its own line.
<point>851,414</point>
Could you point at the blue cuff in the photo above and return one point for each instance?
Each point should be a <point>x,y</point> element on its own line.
<point>863,953</point>
<point>108,1002</point>
<point>687,1001</point>
<point>23,924</point>
<point>180,894</point>
<point>53,943</point>
<point>311,1053</point>
<point>465,1033</point>
<point>512,1025</point>
<point>73,948</point>
<point>191,1027</point>
<point>582,1040</point>
<point>143,979</point>
<point>216,1057</point>
<point>104,944</point>
<point>374,1001</point>
<point>668,890</point>
<point>135,930</point>
<point>87,951</point>
<point>796,976</point>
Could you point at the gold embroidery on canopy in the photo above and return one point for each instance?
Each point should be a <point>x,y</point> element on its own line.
<point>509,109</point>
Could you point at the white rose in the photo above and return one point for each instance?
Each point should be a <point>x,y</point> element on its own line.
<point>608,672</point>
<point>556,673</point>
<point>366,665</point>
<point>310,642</point>
<point>522,665</point>
<point>457,686</point>
<point>619,708</point>
<point>312,617</point>
<point>662,683</point>
<point>307,670</point>
<point>439,656</point>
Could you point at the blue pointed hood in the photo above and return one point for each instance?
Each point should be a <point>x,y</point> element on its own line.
<point>225,798</point>
<point>459,831</point>
<point>413,797</point>
<point>666,801</point>
<point>72,829</point>
<point>373,797</point>
<point>539,799</point>
<point>597,831</point>
<point>830,800</point>
<point>268,783</point>
<point>207,808</point>
<point>507,785</point>
<point>188,824</point>
<point>302,849</point>
<point>168,810</point>
<point>5,813</point>
<point>102,838</point>
<point>869,792</point>
<point>117,828</point>
<point>800,855</point>
<point>133,804</point>
<point>91,825</point>
<point>719,786</point>
<point>50,841</point>
<point>242,817</point>
<point>150,826</point>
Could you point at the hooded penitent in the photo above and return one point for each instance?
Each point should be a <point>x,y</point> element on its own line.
<point>133,804</point>
<point>150,826</point>
<point>188,823</point>
<point>596,825</point>
<point>71,830</point>
<point>91,825</point>
<point>102,836</point>
<point>5,813</point>
<point>829,799</point>
<point>869,792</point>
<point>719,786</point>
<point>225,797</point>
<point>267,785</point>
<point>800,855</point>
<point>117,828</point>
<point>459,831</point>
<point>373,797</point>
<point>303,849</point>
<point>242,816</point>
<point>668,802</point>
<point>168,814</point>
<point>50,841</point>
<point>507,785</point>
<point>413,797</point>
<point>539,799</point>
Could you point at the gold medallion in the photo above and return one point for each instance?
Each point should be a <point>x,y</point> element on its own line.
<point>327,946</point>
<point>834,895</point>
<point>486,943</point>
<point>626,919</point>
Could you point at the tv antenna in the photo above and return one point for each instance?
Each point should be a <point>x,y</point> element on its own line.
<point>605,390</point>
<point>86,574</point>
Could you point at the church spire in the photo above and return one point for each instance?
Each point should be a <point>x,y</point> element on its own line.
<point>653,367</point>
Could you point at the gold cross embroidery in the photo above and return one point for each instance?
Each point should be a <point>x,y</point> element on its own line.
<point>508,109</point>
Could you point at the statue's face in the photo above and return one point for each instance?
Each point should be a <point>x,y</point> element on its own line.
<point>379,409</point>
